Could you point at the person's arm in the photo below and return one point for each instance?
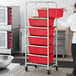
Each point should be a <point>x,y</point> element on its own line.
<point>62,25</point>
<point>62,28</point>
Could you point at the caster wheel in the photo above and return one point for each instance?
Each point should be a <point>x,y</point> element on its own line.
<point>48,72</point>
<point>26,68</point>
<point>35,66</point>
<point>56,68</point>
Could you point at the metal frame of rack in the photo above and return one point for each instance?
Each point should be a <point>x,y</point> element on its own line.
<point>26,54</point>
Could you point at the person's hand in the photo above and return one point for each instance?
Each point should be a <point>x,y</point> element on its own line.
<point>65,9</point>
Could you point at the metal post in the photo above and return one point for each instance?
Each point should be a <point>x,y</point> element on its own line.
<point>56,41</point>
<point>48,37</point>
<point>26,39</point>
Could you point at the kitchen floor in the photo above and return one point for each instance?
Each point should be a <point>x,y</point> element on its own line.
<point>41,71</point>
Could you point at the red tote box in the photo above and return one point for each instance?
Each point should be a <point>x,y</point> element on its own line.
<point>10,45</point>
<point>10,33</point>
<point>40,40</point>
<point>53,12</point>
<point>9,40</point>
<point>10,9</point>
<point>10,13</point>
<point>10,22</point>
<point>10,37</point>
<point>41,49</point>
<point>10,16</point>
<point>41,31</point>
<point>40,59</point>
<point>40,22</point>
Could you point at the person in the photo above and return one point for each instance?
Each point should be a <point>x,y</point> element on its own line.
<point>71,23</point>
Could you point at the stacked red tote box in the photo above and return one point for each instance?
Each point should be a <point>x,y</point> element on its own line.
<point>9,40</point>
<point>53,12</point>
<point>10,16</point>
<point>38,35</point>
<point>9,23</point>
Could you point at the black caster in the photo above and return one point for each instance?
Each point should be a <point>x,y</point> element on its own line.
<point>35,66</point>
<point>48,71</point>
<point>26,68</point>
<point>56,68</point>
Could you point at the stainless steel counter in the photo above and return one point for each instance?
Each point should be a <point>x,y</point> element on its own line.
<point>10,70</point>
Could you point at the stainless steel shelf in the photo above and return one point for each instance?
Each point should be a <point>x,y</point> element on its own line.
<point>52,64</point>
